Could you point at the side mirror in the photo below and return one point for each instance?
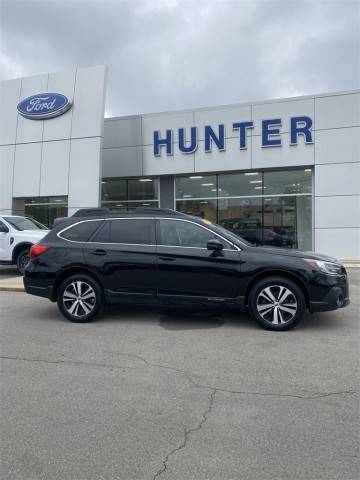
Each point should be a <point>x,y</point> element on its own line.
<point>4,229</point>
<point>214,244</point>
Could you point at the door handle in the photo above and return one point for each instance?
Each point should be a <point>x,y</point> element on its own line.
<point>167,259</point>
<point>98,252</point>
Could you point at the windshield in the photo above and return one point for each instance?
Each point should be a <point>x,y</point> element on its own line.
<point>25,223</point>
<point>227,233</point>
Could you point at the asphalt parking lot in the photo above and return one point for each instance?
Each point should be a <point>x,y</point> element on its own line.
<point>144,394</point>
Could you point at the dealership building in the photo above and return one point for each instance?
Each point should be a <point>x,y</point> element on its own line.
<point>283,172</point>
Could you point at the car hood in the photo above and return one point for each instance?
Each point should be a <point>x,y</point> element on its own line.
<point>295,253</point>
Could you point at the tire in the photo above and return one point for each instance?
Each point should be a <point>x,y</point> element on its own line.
<point>80,298</point>
<point>22,260</point>
<point>276,303</point>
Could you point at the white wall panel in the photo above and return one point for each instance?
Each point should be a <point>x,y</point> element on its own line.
<point>6,176</point>
<point>27,170</point>
<point>337,145</point>
<point>89,101</point>
<point>232,159</point>
<point>55,168</point>
<point>337,111</point>
<point>337,179</point>
<point>9,98</point>
<point>341,243</point>
<point>31,130</point>
<point>59,128</point>
<point>282,109</point>
<point>225,115</point>
<point>85,173</point>
<point>337,212</point>
<point>165,121</point>
<point>122,162</point>
<point>122,132</point>
<point>285,156</point>
<point>177,163</point>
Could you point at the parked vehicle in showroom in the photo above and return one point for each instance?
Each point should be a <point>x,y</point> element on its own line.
<point>17,235</point>
<point>159,256</point>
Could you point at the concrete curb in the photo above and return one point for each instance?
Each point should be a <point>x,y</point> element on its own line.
<point>8,285</point>
<point>6,288</point>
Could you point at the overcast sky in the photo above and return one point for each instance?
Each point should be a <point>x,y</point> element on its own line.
<point>173,54</point>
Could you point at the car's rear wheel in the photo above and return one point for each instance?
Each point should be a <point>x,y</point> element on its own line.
<point>80,298</point>
<point>277,303</point>
<point>22,260</point>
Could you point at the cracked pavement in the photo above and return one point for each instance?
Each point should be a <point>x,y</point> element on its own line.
<point>145,395</point>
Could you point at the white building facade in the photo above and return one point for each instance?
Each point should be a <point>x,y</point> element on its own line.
<point>282,173</point>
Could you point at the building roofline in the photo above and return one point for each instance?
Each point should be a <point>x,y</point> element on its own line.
<point>235,105</point>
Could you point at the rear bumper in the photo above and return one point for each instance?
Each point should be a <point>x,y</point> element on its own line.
<point>39,291</point>
<point>337,297</point>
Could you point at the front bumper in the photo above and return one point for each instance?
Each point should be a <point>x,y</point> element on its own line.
<point>337,297</point>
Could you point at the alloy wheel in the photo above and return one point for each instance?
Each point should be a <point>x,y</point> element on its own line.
<point>276,304</point>
<point>79,298</point>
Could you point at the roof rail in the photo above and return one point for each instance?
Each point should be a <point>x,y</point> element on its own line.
<point>156,211</point>
<point>90,212</point>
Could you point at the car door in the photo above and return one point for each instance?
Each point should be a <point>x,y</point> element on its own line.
<point>5,250</point>
<point>188,268</point>
<point>124,253</point>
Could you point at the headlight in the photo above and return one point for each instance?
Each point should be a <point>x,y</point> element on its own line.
<point>325,267</point>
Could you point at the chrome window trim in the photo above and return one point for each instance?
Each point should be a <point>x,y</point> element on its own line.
<point>73,225</point>
<point>146,244</point>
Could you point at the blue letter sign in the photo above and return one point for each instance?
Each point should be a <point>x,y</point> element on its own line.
<point>168,142</point>
<point>268,132</point>
<point>302,129</point>
<point>193,142</point>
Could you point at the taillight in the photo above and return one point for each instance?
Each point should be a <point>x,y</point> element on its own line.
<point>37,250</point>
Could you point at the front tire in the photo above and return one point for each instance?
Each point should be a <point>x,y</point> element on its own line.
<point>22,260</point>
<point>277,303</point>
<point>80,298</point>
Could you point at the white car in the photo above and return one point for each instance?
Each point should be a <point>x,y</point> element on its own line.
<point>17,235</point>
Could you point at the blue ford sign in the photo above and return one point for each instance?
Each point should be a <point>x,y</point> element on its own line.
<point>44,105</point>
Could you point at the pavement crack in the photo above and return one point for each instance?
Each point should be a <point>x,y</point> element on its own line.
<point>190,378</point>
<point>65,362</point>
<point>187,433</point>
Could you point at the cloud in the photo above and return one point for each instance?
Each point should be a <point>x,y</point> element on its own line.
<point>172,54</point>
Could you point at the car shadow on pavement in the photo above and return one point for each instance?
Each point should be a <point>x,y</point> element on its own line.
<point>187,319</point>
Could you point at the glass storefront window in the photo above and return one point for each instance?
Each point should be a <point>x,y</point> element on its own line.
<point>46,209</point>
<point>265,208</point>
<point>240,184</point>
<point>199,208</point>
<point>143,188</point>
<point>288,182</point>
<point>122,194</point>
<point>243,216</point>
<point>113,189</point>
<point>196,186</point>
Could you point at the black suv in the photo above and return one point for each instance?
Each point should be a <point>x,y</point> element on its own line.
<point>159,256</point>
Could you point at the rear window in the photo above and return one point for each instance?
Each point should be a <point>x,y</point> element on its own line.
<point>133,231</point>
<point>82,231</point>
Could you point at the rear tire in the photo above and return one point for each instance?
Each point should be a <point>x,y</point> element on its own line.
<point>22,260</point>
<point>80,298</point>
<point>276,303</point>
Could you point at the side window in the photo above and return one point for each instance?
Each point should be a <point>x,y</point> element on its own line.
<point>82,231</point>
<point>103,233</point>
<point>183,234</point>
<point>132,231</point>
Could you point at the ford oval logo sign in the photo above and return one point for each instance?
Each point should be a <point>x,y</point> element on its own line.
<point>44,105</point>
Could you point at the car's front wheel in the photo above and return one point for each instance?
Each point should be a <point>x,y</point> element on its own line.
<point>80,298</point>
<point>277,303</point>
<point>22,260</point>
